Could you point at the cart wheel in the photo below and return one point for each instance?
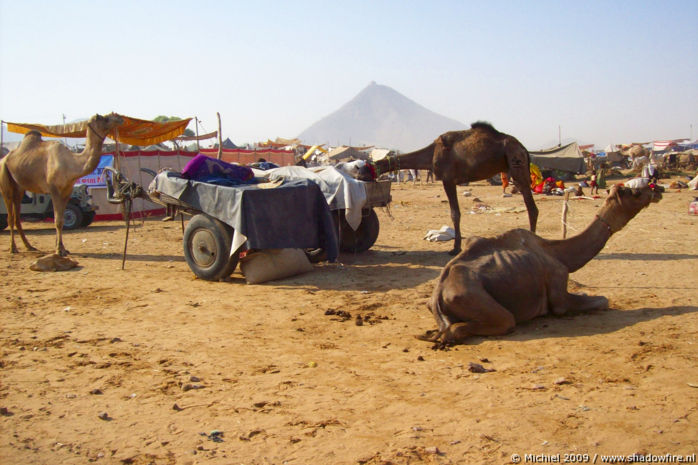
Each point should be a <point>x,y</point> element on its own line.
<point>363,238</point>
<point>207,247</point>
<point>72,217</point>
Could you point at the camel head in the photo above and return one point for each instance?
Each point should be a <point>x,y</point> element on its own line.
<point>623,203</point>
<point>102,125</point>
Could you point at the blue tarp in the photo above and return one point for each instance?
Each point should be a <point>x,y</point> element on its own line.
<point>95,178</point>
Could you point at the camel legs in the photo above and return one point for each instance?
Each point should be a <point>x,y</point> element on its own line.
<point>522,180</point>
<point>59,203</point>
<point>561,301</point>
<point>13,202</point>
<point>463,308</point>
<point>452,194</point>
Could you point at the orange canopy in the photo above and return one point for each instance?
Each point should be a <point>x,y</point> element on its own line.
<point>134,131</point>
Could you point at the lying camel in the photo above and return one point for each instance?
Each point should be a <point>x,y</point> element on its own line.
<point>497,282</point>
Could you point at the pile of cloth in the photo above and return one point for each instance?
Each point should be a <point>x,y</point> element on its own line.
<point>549,186</point>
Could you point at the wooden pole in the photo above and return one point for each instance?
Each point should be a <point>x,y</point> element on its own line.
<point>196,120</point>
<point>220,137</point>
<point>564,214</point>
<point>117,162</point>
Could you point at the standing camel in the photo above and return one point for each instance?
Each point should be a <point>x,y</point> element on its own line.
<point>49,167</point>
<point>497,282</point>
<point>478,153</point>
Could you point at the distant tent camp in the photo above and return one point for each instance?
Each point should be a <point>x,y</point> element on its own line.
<point>567,158</point>
<point>346,153</point>
<point>662,145</point>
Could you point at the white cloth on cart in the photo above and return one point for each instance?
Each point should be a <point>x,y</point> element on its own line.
<point>340,190</point>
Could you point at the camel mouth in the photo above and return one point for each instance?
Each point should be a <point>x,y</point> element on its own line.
<point>656,192</point>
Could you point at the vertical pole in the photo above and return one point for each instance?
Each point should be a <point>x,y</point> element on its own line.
<point>117,162</point>
<point>65,139</point>
<point>196,120</point>
<point>559,136</point>
<point>564,214</point>
<point>220,137</point>
<point>2,144</point>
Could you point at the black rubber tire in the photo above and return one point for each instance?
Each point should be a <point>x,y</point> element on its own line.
<point>3,222</point>
<point>88,218</point>
<point>207,244</point>
<point>72,217</point>
<point>364,237</point>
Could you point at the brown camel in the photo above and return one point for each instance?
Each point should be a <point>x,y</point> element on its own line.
<point>478,153</point>
<point>497,282</point>
<point>49,167</point>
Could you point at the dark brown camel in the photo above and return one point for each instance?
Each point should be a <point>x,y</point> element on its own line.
<point>497,282</point>
<point>478,153</point>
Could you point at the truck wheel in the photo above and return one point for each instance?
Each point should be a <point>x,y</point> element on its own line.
<point>363,238</point>
<point>207,244</point>
<point>72,217</point>
<point>88,218</point>
<point>3,222</point>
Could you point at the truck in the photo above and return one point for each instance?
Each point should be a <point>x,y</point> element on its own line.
<point>79,212</point>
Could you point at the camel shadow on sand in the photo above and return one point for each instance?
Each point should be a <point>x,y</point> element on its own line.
<point>48,229</point>
<point>585,324</point>
<point>129,257</point>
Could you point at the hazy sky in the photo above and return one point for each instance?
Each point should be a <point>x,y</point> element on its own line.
<point>602,71</point>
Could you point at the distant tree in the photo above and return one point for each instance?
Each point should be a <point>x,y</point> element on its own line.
<point>165,119</point>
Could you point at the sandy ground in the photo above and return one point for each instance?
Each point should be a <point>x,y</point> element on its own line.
<point>150,365</point>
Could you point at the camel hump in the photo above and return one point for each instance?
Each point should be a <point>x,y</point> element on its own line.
<point>31,138</point>
<point>33,135</point>
<point>485,126</point>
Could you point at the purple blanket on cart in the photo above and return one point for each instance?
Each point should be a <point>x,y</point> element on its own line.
<point>206,169</point>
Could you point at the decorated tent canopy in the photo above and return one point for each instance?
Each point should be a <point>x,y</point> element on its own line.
<point>134,131</point>
<point>566,158</point>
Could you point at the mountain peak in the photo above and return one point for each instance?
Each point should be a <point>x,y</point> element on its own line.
<point>379,115</point>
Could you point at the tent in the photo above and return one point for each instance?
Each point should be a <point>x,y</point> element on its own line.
<point>134,131</point>
<point>662,145</point>
<point>567,158</point>
<point>379,154</point>
<point>346,153</point>
<point>229,144</point>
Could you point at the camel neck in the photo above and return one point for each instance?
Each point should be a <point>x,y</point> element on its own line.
<point>421,159</point>
<point>92,151</point>
<point>579,250</point>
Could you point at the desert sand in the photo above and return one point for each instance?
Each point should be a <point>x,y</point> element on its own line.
<point>151,365</point>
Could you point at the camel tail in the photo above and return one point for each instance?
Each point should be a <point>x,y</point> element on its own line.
<point>7,185</point>
<point>441,320</point>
